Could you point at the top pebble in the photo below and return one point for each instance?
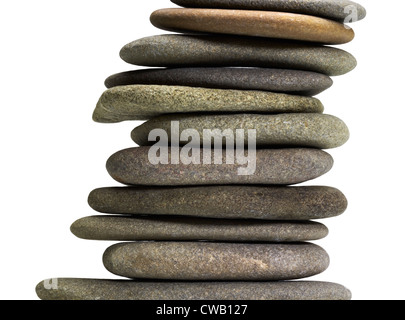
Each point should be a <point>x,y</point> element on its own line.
<point>339,10</point>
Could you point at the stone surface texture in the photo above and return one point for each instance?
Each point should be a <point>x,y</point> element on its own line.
<point>143,166</point>
<point>275,80</point>
<point>124,228</point>
<point>98,289</point>
<point>339,10</point>
<point>225,202</point>
<point>195,220</point>
<point>215,261</point>
<point>231,51</point>
<point>142,102</point>
<point>276,25</point>
<point>297,130</point>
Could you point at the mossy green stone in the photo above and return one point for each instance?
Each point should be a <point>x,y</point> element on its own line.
<point>141,102</point>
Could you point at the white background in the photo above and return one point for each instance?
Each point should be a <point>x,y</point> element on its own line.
<point>55,56</point>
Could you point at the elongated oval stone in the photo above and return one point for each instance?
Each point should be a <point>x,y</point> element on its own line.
<point>100,289</point>
<point>302,130</point>
<point>123,228</point>
<point>275,80</point>
<point>277,25</point>
<point>140,102</point>
<point>215,261</point>
<point>160,166</point>
<point>339,10</point>
<point>229,51</point>
<point>224,202</point>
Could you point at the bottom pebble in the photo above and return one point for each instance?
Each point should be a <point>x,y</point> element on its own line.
<point>92,289</point>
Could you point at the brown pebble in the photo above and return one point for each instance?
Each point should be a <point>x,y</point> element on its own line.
<point>276,25</point>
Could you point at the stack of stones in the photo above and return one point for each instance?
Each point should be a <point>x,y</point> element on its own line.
<point>192,227</point>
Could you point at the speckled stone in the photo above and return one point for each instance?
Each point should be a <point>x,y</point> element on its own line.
<point>339,10</point>
<point>124,228</point>
<point>224,202</point>
<point>296,129</point>
<point>276,25</point>
<point>94,289</point>
<point>141,102</point>
<point>140,166</point>
<point>297,82</point>
<point>215,261</point>
<point>231,51</point>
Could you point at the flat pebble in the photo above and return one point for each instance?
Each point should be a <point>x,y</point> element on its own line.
<point>275,80</point>
<point>223,202</point>
<point>142,102</point>
<point>276,25</point>
<point>162,166</point>
<point>295,129</point>
<point>339,10</point>
<point>124,228</point>
<point>100,289</point>
<point>215,261</point>
<point>236,51</point>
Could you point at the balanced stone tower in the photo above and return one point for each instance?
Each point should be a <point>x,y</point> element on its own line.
<point>209,210</point>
